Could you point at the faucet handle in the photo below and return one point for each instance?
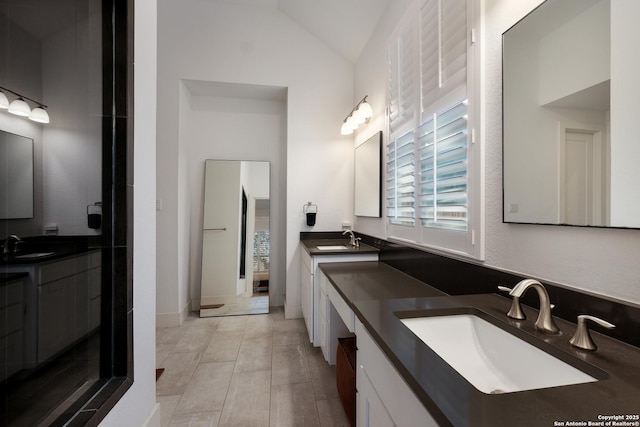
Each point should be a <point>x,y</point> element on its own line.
<point>515,312</point>
<point>582,338</point>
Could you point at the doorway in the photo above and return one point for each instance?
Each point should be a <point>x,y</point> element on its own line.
<point>582,175</point>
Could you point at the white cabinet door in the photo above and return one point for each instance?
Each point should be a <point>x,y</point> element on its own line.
<point>369,407</point>
<point>395,396</point>
<point>306,295</point>
<point>53,318</point>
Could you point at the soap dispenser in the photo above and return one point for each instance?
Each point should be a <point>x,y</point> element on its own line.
<point>310,210</point>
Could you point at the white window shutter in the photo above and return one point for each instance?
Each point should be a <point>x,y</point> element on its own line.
<point>403,70</point>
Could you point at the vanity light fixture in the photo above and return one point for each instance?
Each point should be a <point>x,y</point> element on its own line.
<point>20,107</point>
<point>4,102</point>
<point>360,114</point>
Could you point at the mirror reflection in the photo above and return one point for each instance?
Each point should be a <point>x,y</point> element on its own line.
<point>235,238</point>
<point>55,283</point>
<point>565,130</point>
<point>368,177</point>
<point>16,176</point>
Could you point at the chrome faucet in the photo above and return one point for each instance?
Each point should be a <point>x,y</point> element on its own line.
<point>7,249</point>
<point>582,338</point>
<point>545,322</point>
<point>353,240</point>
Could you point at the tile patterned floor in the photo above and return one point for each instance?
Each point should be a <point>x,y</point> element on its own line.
<point>257,370</point>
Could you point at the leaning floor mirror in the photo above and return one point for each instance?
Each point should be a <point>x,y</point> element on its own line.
<point>235,238</point>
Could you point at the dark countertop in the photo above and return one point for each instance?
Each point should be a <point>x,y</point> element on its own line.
<point>376,291</point>
<point>12,260</point>
<point>311,246</point>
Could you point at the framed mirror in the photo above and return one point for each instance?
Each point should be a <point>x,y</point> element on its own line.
<point>368,184</point>
<point>235,238</point>
<point>568,138</point>
<point>16,176</point>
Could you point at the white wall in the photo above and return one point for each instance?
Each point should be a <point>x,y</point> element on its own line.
<point>72,142</point>
<point>67,152</point>
<point>20,70</point>
<point>138,406</point>
<point>248,44</point>
<point>602,261</point>
<point>625,149</point>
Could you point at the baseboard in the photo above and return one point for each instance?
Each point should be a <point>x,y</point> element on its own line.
<point>154,419</point>
<point>170,320</point>
<point>292,311</point>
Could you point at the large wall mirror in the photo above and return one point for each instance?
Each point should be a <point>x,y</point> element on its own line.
<point>570,143</point>
<point>16,176</point>
<point>368,184</point>
<point>235,238</point>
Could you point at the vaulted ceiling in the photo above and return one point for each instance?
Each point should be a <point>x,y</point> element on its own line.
<point>343,25</point>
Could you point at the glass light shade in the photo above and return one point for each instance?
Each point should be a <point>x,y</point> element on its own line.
<point>357,119</point>
<point>346,129</point>
<point>365,110</point>
<point>39,115</point>
<point>4,102</point>
<point>19,107</point>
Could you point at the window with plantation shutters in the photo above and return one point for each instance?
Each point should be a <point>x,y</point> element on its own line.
<point>430,153</point>
<point>403,70</point>
<point>443,169</point>
<point>400,180</point>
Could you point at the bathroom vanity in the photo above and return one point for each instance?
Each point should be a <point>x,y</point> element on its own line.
<point>12,326</point>
<point>313,253</point>
<point>60,296</point>
<point>400,379</point>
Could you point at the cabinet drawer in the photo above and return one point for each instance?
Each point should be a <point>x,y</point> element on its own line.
<point>11,354</point>
<point>59,269</point>
<point>324,300</point>
<point>402,404</point>
<point>95,283</point>
<point>343,309</point>
<point>11,294</point>
<point>306,259</point>
<point>13,319</point>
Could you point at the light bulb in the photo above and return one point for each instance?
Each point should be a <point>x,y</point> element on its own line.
<point>19,107</point>
<point>39,115</point>
<point>4,102</point>
<point>365,110</point>
<point>346,129</point>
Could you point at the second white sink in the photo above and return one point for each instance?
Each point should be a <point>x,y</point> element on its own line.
<point>492,359</point>
<point>331,247</point>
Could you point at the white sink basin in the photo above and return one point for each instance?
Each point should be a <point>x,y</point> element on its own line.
<point>331,247</point>
<point>492,359</point>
